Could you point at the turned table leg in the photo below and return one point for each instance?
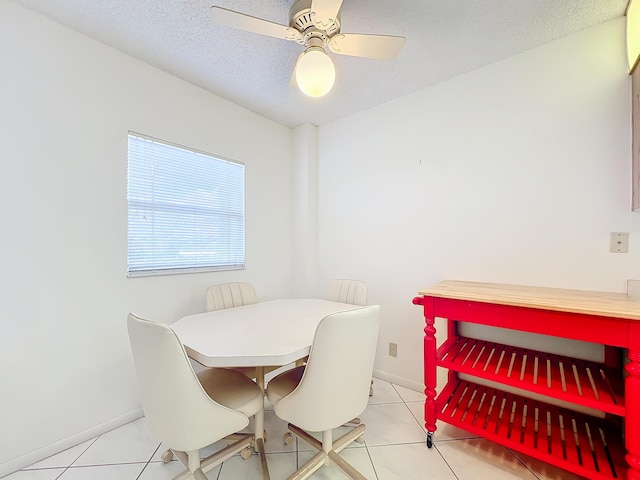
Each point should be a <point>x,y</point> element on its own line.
<point>430,369</point>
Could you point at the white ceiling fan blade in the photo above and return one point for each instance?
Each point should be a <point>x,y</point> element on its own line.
<point>241,21</point>
<point>325,12</point>
<point>380,47</point>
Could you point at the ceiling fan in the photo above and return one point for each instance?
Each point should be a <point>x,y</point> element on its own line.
<point>316,25</point>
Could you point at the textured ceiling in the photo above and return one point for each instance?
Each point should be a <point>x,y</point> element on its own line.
<point>445,38</point>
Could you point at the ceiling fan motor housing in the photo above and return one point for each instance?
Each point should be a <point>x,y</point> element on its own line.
<point>301,18</point>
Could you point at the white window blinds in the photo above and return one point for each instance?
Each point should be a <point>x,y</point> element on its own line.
<point>186,210</point>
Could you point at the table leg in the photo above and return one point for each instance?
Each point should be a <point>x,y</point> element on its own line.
<point>260,378</point>
<point>259,433</point>
<point>430,370</point>
<point>430,378</point>
<point>260,415</point>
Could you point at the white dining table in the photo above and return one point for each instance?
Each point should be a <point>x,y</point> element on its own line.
<point>264,334</point>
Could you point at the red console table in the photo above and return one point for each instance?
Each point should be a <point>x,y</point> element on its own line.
<point>579,415</point>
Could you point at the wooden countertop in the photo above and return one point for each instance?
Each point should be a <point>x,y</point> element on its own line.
<point>608,304</point>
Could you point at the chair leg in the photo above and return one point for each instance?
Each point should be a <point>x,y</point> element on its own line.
<point>354,423</point>
<point>346,467</point>
<point>311,466</point>
<point>348,437</point>
<point>193,465</point>
<point>199,475</point>
<point>226,453</point>
<point>328,450</point>
<point>197,468</point>
<point>263,458</point>
<point>191,460</point>
<point>298,432</point>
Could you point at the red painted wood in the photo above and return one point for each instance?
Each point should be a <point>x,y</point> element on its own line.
<point>430,377</point>
<point>590,328</point>
<point>454,354</point>
<point>596,449</point>
<point>632,391</point>
<point>456,409</point>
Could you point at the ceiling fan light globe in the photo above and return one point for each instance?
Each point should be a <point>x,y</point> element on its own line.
<point>315,72</point>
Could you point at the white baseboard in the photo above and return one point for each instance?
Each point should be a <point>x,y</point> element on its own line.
<point>403,382</point>
<point>41,453</point>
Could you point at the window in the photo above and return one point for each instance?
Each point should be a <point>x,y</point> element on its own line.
<point>186,210</point>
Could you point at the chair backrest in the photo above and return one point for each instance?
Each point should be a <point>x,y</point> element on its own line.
<point>335,385</point>
<point>179,411</point>
<point>347,291</point>
<point>228,295</point>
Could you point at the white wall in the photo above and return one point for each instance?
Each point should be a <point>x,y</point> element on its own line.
<point>514,173</point>
<point>66,104</point>
<point>305,210</point>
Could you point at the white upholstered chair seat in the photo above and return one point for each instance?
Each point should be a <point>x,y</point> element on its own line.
<point>231,390</point>
<point>285,383</point>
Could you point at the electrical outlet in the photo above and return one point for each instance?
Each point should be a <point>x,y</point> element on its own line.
<point>393,349</point>
<point>619,242</point>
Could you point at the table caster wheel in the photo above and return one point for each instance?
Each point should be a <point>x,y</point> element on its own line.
<point>167,456</point>
<point>287,438</point>
<point>429,439</point>
<point>246,453</point>
<point>360,439</point>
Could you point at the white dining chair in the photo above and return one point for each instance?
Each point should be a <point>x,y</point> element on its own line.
<point>229,295</point>
<point>189,411</point>
<point>349,291</point>
<point>331,389</point>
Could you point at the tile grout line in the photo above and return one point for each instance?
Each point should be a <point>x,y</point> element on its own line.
<point>522,463</point>
<point>373,465</point>
<point>445,461</point>
<point>76,459</point>
<point>434,445</point>
<point>148,461</point>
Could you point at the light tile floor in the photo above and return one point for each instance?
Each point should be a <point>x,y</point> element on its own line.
<point>394,449</point>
